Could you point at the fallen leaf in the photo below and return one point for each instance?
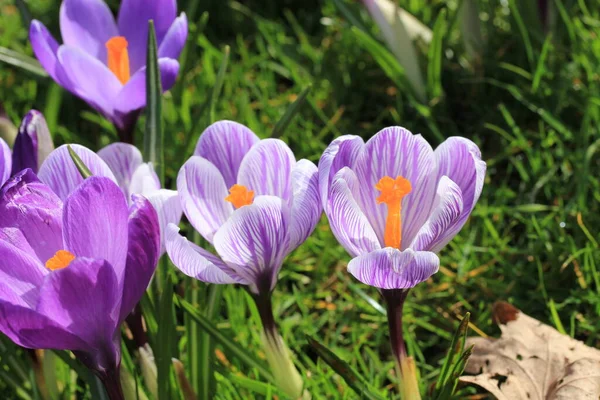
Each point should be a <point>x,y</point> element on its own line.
<point>532,361</point>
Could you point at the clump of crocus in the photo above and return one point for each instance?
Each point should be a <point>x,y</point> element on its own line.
<point>71,271</point>
<point>393,203</point>
<point>32,145</point>
<point>255,204</point>
<point>121,163</point>
<point>104,62</point>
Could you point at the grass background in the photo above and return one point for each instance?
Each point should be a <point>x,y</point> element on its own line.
<point>531,101</point>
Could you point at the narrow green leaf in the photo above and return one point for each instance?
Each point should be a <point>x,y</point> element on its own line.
<point>454,355</point>
<point>516,13</point>
<point>165,339</point>
<point>81,167</point>
<point>539,70</point>
<point>290,113</point>
<point>382,56</point>
<point>435,56</point>
<point>206,351</point>
<point>229,345</point>
<point>22,61</point>
<point>153,135</point>
<point>352,378</point>
<point>214,97</point>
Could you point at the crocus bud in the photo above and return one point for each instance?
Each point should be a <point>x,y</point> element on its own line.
<point>286,375</point>
<point>149,371</point>
<point>8,130</point>
<point>33,143</point>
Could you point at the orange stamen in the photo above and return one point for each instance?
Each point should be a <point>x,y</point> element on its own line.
<point>61,259</point>
<point>392,193</point>
<point>118,58</point>
<point>240,196</point>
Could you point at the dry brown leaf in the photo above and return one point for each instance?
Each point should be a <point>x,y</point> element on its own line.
<point>532,361</point>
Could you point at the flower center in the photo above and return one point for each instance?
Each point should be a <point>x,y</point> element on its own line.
<point>60,260</point>
<point>240,196</point>
<point>392,193</point>
<point>118,58</point>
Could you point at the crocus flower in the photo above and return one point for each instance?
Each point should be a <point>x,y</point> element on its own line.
<point>71,271</point>
<point>393,203</point>
<point>255,204</point>
<point>122,164</point>
<point>104,62</point>
<point>32,145</point>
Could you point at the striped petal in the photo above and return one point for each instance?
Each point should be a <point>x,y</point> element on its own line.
<point>306,205</point>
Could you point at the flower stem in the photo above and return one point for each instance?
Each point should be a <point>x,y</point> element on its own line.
<point>406,370</point>
<point>111,379</point>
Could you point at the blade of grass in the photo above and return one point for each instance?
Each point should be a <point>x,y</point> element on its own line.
<point>165,338</point>
<point>22,61</point>
<point>214,97</point>
<point>434,56</point>
<point>290,113</point>
<point>206,349</point>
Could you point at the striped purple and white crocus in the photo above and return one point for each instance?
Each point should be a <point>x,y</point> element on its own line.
<point>255,204</point>
<point>393,203</point>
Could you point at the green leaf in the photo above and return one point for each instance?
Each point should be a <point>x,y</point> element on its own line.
<point>434,64</point>
<point>81,167</point>
<point>153,135</point>
<point>229,345</point>
<point>206,387</point>
<point>165,339</point>
<point>290,113</point>
<point>22,61</point>
<point>214,97</point>
<point>352,378</point>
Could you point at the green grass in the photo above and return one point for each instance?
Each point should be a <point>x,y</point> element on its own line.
<point>531,102</point>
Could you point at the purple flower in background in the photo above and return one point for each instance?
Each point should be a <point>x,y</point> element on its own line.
<point>104,62</point>
<point>393,203</point>
<point>71,271</point>
<point>32,145</point>
<point>122,164</point>
<point>255,204</point>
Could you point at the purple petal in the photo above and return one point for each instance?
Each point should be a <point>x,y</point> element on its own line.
<point>348,222</point>
<point>95,222</point>
<point>33,143</point>
<point>122,159</point>
<point>196,262</point>
<point>306,205</point>
<point>142,254</point>
<point>175,38</point>
<point>5,162</point>
<point>396,152</point>
<point>60,173</point>
<point>45,49</point>
<point>342,152</point>
<point>87,25</point>
<point>447,209</point>
<point>20,270</point>
<point>267,169</point>
<point>85,299</point>
<point>460,160</point>
<point>32,207</point>
<point>90,78</point>
<point>133,24</point>
<point>391,268</point>
<point>168,207</point>
<point>133,95</point>
<point>225,143</point>
<point>144,180</point>
<point>255,240</point>
<point>202,192</point>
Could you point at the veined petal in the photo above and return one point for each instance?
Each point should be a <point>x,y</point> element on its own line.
<point>391,268</point>
<point>122,159</point>
<point>33,143</point>
<point>133,94</point>
<point>142,253</point>
<point>267,169</point>
<point>30,206</point>
<point>342,152</point>
<point>348,222</point>
<point>84,298</point>
<point>87,25</point>
<point>225,143</point>
<point>447,209</point>
<point>45,49</point>
<point>306,205</point>
<point>175,38</point>
<point>196,262</point>
<point>396,152</point>
<point>168,207</point>
<point>95,223</point>
<point>255,240</point>
<point>202,191</point>
<point>60,173</point>
<point>133,24</point>
<point>5,162</point>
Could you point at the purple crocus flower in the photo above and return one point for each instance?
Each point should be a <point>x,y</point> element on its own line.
<point>122,164</point>
<point>393,203</point>
<point>104,62</point>
<point>71,271</point>
<point>32,145</point>
<point>255,204</point>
